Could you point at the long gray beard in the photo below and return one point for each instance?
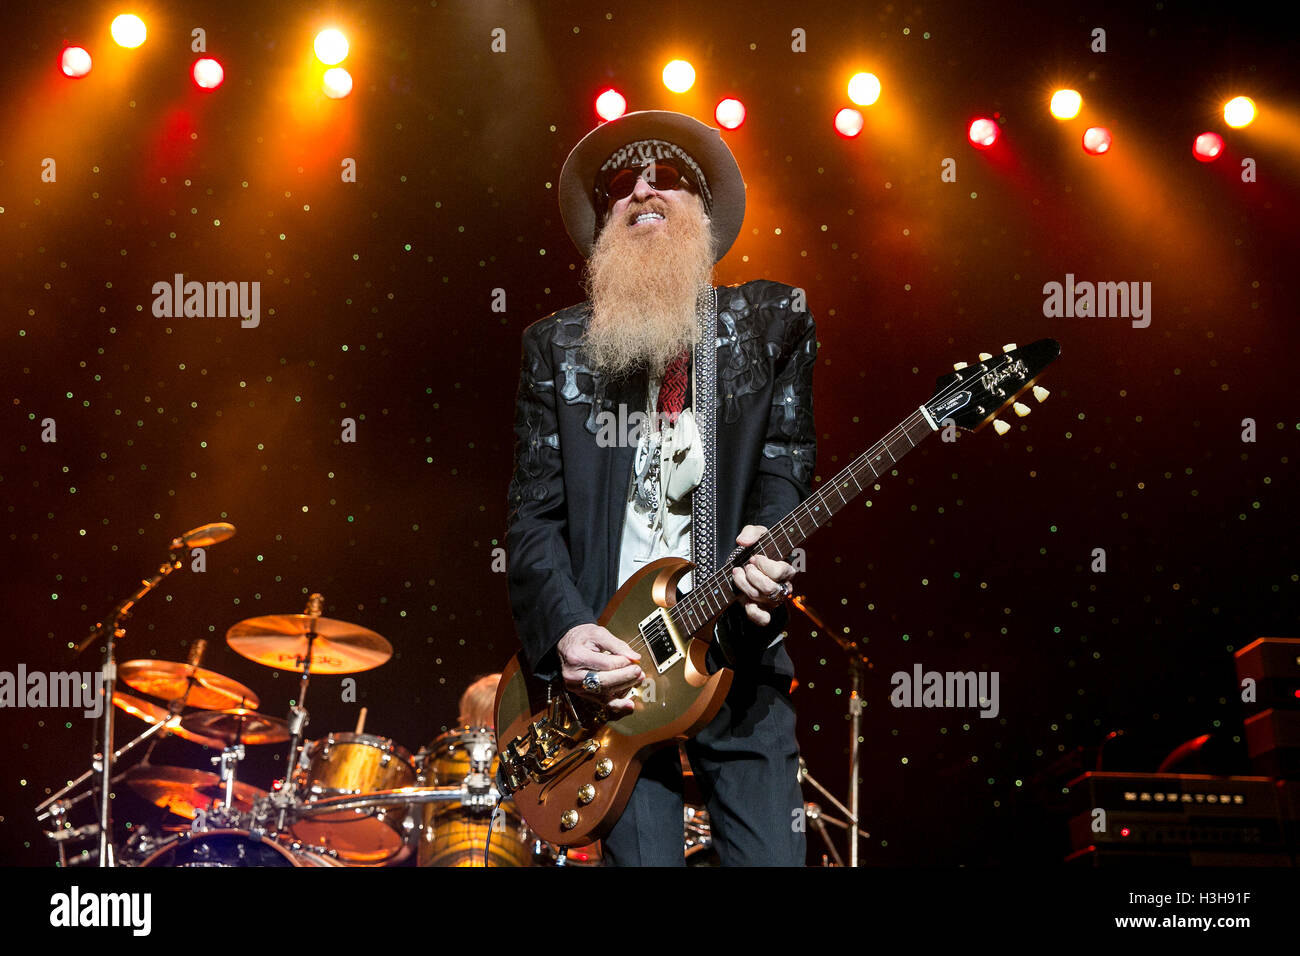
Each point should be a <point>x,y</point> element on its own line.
<point>644,293</point>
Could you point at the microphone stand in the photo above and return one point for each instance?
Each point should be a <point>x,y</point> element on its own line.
<point>114,631</point>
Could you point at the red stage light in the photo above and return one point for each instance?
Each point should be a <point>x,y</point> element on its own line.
<point>207,73</point>
<point>1208,147</point>
<point>1124,831</point>
<point>610,105</point>
<point>848,123</point>
<point>983,133</point>
<point>1096,140</point>
<point>729,113</point>
<point>75,62</point>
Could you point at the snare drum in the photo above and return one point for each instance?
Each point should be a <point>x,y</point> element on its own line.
<point>355,764</point>
<point>454,834</point>
<point>227,848</point>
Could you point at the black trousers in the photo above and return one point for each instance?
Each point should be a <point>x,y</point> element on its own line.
<point>746,763</point>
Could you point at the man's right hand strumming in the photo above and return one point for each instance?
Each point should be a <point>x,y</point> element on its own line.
<point>597,665</point>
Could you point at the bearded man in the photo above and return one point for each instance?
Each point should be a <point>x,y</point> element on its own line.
<point>653,200</point>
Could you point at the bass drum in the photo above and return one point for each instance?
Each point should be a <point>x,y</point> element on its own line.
<point>455,834</point>
<point>230,848</point>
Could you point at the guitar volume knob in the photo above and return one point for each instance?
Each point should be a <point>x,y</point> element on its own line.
<point>586,794</point>
<point>568,819</point>
<point>604,767</point>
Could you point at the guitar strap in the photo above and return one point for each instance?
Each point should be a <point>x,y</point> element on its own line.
<point>704,399</point>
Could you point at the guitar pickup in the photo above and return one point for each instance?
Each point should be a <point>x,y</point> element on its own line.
<point>661,638</point>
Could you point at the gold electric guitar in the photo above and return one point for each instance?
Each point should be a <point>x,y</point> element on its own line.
<point>569,763</point>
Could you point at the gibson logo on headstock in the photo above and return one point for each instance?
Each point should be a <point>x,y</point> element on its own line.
<point>993,379</point>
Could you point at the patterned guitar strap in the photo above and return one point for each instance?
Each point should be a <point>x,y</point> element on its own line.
<point>704,397</point>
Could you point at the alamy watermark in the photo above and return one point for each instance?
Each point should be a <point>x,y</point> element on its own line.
<point>922,688</point>
<point>211,300</point>
<point>624,428</point>
<point>25,688</point>
<point>78,909</point>
<point>1086,300</point>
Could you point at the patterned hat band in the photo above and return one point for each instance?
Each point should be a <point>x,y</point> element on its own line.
<point>645,151</point>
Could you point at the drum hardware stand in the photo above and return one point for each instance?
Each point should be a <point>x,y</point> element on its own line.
<point>298,717</point>
<point>58,806</point>
<point>229,761</point>
<point>858,663</point>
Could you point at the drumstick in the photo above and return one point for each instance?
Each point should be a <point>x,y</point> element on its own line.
<point>361,721</point>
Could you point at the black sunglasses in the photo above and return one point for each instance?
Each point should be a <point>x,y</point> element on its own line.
<point>660,174</point>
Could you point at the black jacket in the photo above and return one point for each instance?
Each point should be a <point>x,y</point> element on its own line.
<point>568,494</point>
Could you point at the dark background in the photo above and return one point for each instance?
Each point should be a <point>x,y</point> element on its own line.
<point>376,303</point>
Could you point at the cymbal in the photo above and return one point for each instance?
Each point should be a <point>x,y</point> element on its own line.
<point>153,714</point>
<point>280,641</point>
<point>184,791</point>
<point>237,725</point>
<point>169,680</point>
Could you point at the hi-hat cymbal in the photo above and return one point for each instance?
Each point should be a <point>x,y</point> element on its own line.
<point>237,726</point>
<point>153,714</point>
<point>280,641</point>
<point>169,680</point>
<point>184,791</point>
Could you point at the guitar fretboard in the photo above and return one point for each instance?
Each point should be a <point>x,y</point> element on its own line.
<point>711,596</point>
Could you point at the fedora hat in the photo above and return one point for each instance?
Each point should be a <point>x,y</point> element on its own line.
<point>636,139</point>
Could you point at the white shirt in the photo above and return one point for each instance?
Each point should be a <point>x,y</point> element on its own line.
<point>658,524</point>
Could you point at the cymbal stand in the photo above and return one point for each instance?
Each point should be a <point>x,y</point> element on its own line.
<point>298,716</point>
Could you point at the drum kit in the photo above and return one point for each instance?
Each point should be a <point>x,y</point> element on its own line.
<point>352,799</point>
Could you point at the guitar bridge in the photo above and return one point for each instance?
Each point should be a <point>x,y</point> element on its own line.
<point>547,748</point>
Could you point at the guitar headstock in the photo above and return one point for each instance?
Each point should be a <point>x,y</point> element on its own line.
<point>973,394</point>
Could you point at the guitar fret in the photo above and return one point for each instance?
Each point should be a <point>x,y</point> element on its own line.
<point>713,595</point>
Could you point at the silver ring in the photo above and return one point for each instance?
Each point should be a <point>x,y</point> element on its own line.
<point>591,681</point>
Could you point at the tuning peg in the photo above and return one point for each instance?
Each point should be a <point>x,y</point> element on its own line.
<point>1000,426</point>
<point>958,366</point>
<point>985,356</point>
<point>1021,410</point>
<point>1009,347</point>
<point>1041,393</point>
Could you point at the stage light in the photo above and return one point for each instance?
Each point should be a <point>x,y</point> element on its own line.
<point>729,113</point>
<point>610,105</point>
<point>208,73</point>
<point>1239,111</point>
<point>848,123</point>
<point>983,133</point>
<point>331,47</point>
<point>75,62</point>
<point>1066,104</point>
<point>864,88</point>
<point>337,83</point>
<point>1207,147</point>
<point>128,30</point>
<point>679,76</point>
<point>1096,140</point>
